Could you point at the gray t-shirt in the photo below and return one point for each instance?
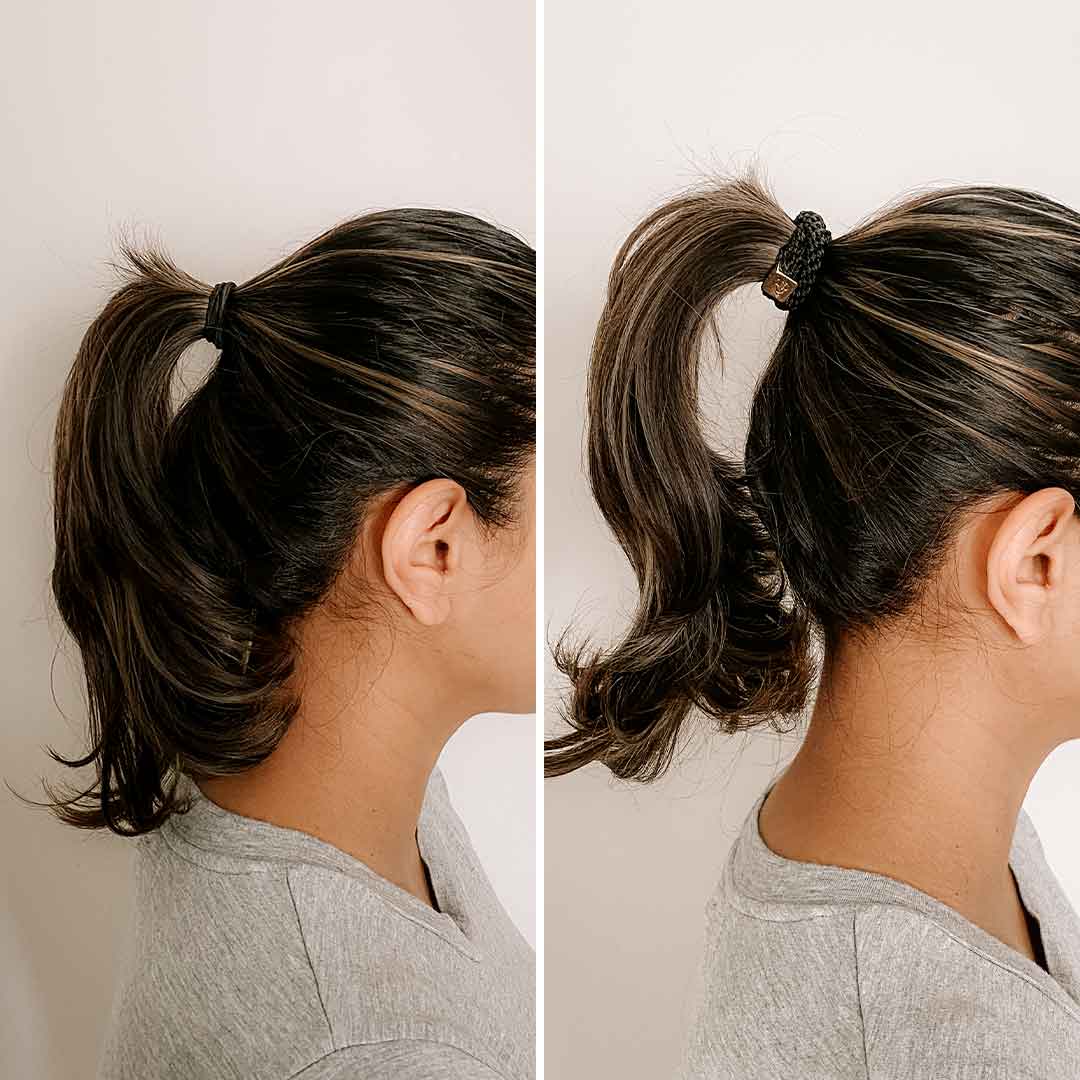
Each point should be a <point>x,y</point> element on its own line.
<point>824,973</point>
<point>262,953</point>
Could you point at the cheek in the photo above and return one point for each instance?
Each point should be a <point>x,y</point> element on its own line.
<point>519,608</point>
<point>515,644</point>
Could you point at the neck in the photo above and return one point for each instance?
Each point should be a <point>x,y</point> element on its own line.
<point>353,767</point>
<point>915,766</point>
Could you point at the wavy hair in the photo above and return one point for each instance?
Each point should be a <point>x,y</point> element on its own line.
<point>191,538</point>
<point>934,363</point>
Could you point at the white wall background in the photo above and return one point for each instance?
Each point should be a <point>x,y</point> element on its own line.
<point>847,105</point>
<point>234,131</point>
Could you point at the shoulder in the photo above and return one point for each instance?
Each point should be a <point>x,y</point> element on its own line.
<point>931,993</point>
<point>779,988</point>
<point>215,966</point>
<point>398,1059</point>
<point>274,965</point>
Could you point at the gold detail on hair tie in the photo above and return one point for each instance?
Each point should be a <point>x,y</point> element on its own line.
<point>778,286</point>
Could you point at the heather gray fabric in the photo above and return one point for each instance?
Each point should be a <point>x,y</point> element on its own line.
<point>262,953</point>
<point>820,972</point>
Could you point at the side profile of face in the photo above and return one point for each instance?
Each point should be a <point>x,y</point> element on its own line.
<point>466,594</point>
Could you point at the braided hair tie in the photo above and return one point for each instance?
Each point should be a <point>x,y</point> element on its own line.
<point>214,328</point>
<point>800,258</point>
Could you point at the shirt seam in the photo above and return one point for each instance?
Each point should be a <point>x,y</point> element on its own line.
<point>858,990</point>
<point>307,955</point>
<point>391,1040</point>
<point>171,844</point>
<point>838,911</point>
<point>1072,1011</point>
<point>465,947</point>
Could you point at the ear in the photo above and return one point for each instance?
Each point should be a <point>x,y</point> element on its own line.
<point>422,546</point>
<point>1026,562</point>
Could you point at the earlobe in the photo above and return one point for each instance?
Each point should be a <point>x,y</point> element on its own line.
<point>420,548</point>
<point>1026,560</point>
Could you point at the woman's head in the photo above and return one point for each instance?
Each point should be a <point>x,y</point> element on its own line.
<point>385,368</point>
<point>933,370</point>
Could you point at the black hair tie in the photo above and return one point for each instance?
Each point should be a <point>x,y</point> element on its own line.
<point>797,263</point>
<point>214,328</point>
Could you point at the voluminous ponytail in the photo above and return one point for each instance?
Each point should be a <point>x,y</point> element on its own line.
<point>711,630</point>
<point>934,363</point>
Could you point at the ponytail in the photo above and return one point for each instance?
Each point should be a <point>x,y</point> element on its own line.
<point>142,574</point>
<point>711,630</point>
<point>192,541</point>
<point>933,364</point>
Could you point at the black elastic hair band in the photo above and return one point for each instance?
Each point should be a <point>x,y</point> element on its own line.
<point>797,263</point>
<point>214,329</point>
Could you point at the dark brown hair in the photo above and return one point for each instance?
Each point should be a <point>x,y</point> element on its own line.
<point>934,363</point>
<point>393,348</point>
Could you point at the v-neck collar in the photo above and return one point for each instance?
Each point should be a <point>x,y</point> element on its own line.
<point>1045,900</point>
<point>221,838</point>
<point>756,871</point>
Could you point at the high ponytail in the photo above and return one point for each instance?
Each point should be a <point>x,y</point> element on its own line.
<point>162,625</point>
<point>934,363</point>
<point>192,537</point>
<point>711,630</point>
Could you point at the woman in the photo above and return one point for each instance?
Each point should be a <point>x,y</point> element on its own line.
<point>289,588</point>
<point>907,507</point>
